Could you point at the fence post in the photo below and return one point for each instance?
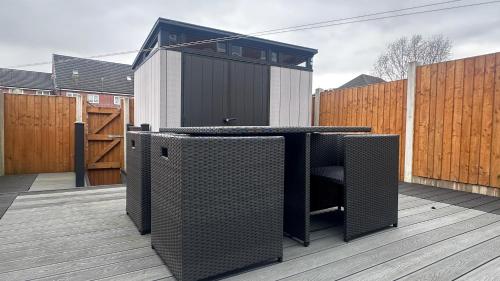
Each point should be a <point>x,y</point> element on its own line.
<point>410,120</point>
<point>125,108</point>
<point>317,100</point>
<point>2,135</point>
<point>80,154</point>
<point>79,108</point>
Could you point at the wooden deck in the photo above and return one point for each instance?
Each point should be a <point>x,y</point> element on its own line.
<point>86,235</point>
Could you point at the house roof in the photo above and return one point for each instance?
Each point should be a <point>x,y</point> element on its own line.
<point>362,80</point>
<point>25,79</point>
<point>73,73</point>
<point>162,22</point>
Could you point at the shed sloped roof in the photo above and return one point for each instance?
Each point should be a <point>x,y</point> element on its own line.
<point>362,80</point>
<point>92,75</point>
<point>25,79</point>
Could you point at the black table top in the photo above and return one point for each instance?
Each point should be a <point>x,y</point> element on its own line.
<point>244,130</point>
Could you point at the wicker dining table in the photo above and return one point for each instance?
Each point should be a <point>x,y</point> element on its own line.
<point>297,166</point>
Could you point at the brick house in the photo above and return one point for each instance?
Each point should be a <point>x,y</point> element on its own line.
<point>100,83</point>
<point>25,82</point>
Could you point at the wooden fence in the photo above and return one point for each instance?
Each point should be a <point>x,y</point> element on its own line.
<point>457,121</point>
<point>39,136</point>
<point>381,106</point>
<point>39,132</point>
<point>456,136</point>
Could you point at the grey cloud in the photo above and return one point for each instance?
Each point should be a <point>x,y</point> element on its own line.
<point>31,31</point>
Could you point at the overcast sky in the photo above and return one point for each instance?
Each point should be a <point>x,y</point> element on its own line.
<point>30,31</point>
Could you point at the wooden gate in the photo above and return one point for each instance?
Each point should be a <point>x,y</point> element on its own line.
<point>104,144</point>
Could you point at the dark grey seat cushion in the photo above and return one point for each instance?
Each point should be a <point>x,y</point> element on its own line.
<point>333,173</point>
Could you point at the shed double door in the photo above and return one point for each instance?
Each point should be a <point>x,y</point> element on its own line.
<point>223,92</point>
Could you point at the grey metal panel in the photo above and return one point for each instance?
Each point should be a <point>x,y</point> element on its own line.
<point>294,97</point>
<point>290,97</point>
<point>274,96</point>
<point>163,89</point>
<point>173,87</point>
<point>204,90</point>
<point>305,99</point>
<point>147,92</point>
<point>285,97</point>
<point>215,89</point>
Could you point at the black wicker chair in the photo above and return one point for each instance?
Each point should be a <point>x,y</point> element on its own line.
<point>138,202</point>
<point>217,203</point>
<point>360,173</point>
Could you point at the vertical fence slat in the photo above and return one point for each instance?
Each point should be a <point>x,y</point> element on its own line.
<point>448,120</point>
<point>486,122</point>
<point>432,121</point>
<point>456,134</point>
<point>466,120</point>
<point>439,120</point>
<point>495,149</point>
<point>477,105</point>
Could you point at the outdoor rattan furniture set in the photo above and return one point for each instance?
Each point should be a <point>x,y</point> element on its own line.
<point>219,199</point>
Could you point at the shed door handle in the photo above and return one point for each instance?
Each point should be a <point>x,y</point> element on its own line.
<point>227,120</point>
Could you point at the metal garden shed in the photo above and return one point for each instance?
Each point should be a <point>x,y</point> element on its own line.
<point>245,81</point>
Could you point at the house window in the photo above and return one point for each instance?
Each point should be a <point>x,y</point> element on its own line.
<point>93,98</point>
<point>16,91</point>
<point>43,93</point>
<point>274,57</point>
<point>172,38</point>
<point>236,51</point>
<point>72,95</point>
<point>221,47</point>
<point>263,55</point>
<point>116,100</point>
<point>292,59</point>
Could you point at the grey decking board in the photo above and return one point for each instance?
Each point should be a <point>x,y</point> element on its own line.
<point>363,244</point>
<point>428,194</point>
<point>58,233</point>
<point>362,261</point>
<point>33,196</point>
<point>5,202</point>
<point>101,221</point>
<point>152,273</point>
<point>65,267</point>
<point>108,270</point>
<point>82,212</point>
<point>435,205</point>
<point>59,221</point>
<point>428,255</point>
<point>67,202</point>
<point>452,209</point>
<point>49,252</point>
<point>429,200</point>
<point>44,259</point>
<point>16,183</point>
<point>71,243</point>
<point>330,241</point>
<point>12,218</point>
<point>85,249</point>
<point>487,272</point>
<point>459,264</point>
